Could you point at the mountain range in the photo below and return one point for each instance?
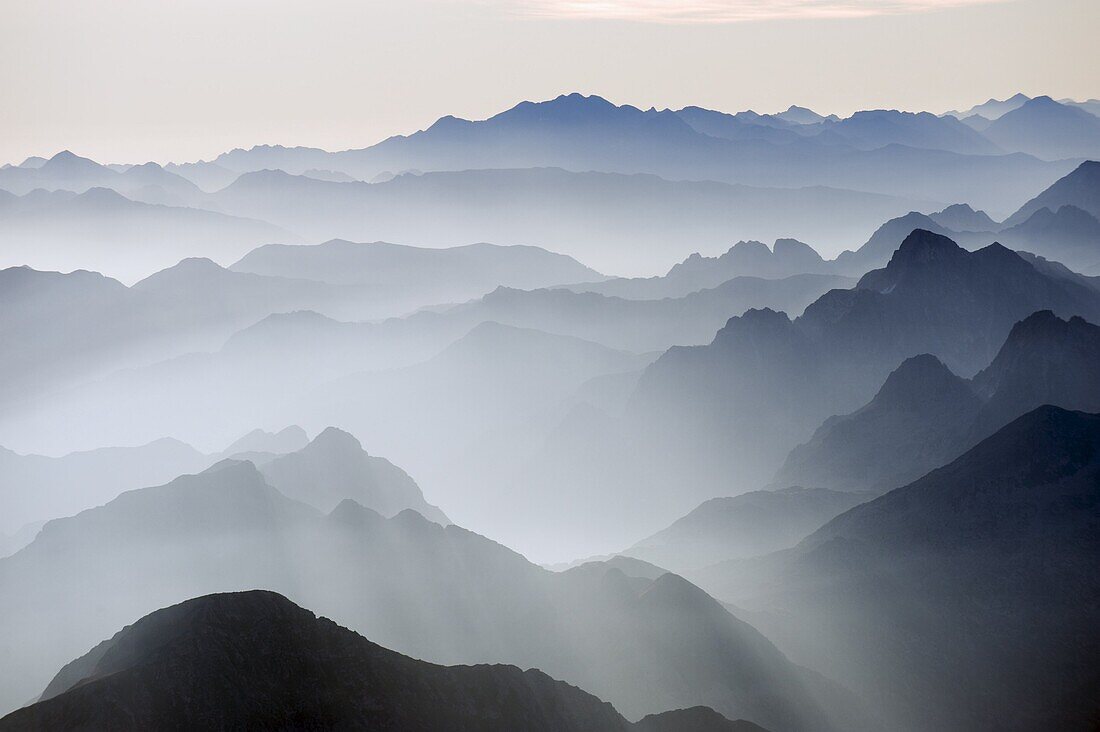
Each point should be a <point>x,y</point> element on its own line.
<point>644,640</point>
<point>100,229</point>
<point>319,472</point>
<point>983,569</point>
<point>766,382</point>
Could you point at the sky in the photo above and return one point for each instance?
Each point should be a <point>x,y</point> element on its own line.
<point>177,80</point>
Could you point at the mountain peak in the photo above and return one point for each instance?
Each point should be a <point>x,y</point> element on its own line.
<point>920,380</point>
<point>923,246</point>
<point>67,161</point>
<point>334,440</point>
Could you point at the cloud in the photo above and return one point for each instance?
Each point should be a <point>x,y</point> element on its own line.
<point>724,11</point>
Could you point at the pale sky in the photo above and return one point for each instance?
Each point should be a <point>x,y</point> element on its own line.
<point>137,80</point>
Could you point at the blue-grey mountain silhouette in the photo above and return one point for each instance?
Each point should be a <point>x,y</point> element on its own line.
<point>986,564</point>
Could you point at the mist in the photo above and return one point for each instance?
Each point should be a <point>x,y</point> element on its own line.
<point>575,415</point>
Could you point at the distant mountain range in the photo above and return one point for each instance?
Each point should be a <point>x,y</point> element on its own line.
<point>563,174</point>
<point>1048,130</point>
<point>881,150</point>
<point>753,523</point>
<point>617,223</point>
<point>984,567</point>
<point>66,328</point>
<point>100,229</point>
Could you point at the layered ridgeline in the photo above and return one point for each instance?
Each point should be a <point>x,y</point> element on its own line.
<point>255,659</point>
<point>63,328</point>
<point>964,600</point>
<point>322,472</point>
<point>733,409</point>
<point>753,523</point>
<point>615,222</point>
<point>103,230</point>
<point>643,640</point>
<point>924,415</point>
<point>1062,224</point>
<point>880,150</point>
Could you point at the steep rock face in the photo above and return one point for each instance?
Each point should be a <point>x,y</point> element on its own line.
<point>984,567</point>
<point>254,659</point>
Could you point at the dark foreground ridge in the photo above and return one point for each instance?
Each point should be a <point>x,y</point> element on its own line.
<point>255,660</point>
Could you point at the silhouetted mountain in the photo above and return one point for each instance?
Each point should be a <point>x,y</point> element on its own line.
<point>65,171</point>
<point>1081,189</point>
<point>878,250</point>
<point>442,594</point>
<point>643,325</point>
<point>208,176</point>
<point>765,383</point>
<point>1070,236</point>
<point>255,659</point>
<point>986,567</point>
<point>787,259</point>
<point>100,229</point>
<point>977,122</point>
<point>330,175</point>
<point>64,328</point>
<point>1092,106</point>
<point>919,419</point>
<point>1045,360</point>
<point>1048,130</point>
<point>36,487</point>
<point>747,525</point>
<point>627,224</point>
<point>695,719</point>
<point>289,439</point>
<point>590,134</point>
<point>995,108</point>
<point>419,276</point>
<point>925,416</point>
<point>16,540</point>
<point>733,127</point>
<point>333,467</point>
<point>869,130</point>
<point>802,116</point>
<point>961,217</point>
